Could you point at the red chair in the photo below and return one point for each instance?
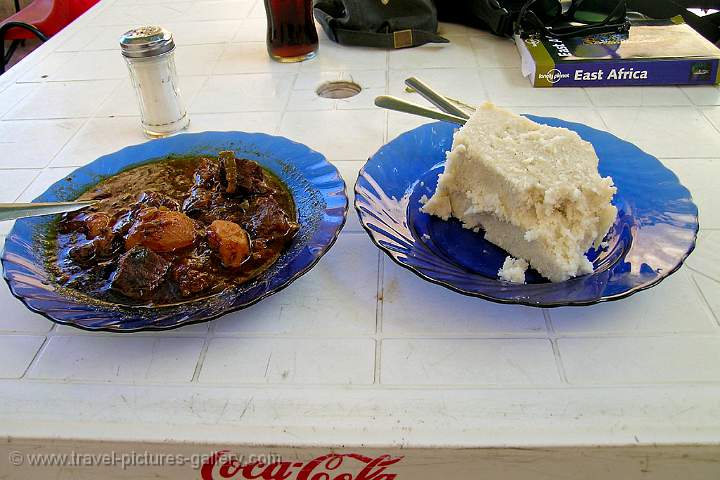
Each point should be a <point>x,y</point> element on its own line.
<point>41,19</point>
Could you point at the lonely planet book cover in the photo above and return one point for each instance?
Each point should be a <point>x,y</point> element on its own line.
<point>665,52</point>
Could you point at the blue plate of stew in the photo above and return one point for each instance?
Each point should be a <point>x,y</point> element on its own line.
<point>136,282</point>
<point>654,231</point>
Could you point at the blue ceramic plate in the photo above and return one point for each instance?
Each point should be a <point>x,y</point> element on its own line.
<point>654,231</point>
<point>320,199</point>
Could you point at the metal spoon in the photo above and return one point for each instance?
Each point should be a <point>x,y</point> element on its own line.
<point>11,211</point>
<point>434,97</point>
<point>399,105</point>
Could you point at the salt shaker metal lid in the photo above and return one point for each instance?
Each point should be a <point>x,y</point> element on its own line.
<point>148,41</point>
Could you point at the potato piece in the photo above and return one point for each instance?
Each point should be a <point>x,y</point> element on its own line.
<point>89,222</point>
<point>97,223</point>
<point>161,230</point>
<point>230,242</point>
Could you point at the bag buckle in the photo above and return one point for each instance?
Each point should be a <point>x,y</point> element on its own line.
<point>402,39</point>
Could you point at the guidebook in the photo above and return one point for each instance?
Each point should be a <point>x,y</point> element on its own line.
<point>655,52</point>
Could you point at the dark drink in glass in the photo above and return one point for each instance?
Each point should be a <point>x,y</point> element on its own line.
<point>291,34</point>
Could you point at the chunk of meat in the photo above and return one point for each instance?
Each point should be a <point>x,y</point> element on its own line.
<point>161,230</point>
<point>241,177</point>
<point>205,201</point>
<point>221,188</point>
<point>251,178</point>
<point>125,217</point>
<point>207,174</point>
<point>98,247</point>
<point>263,251</point>
<point>200,200</point>
<point>99,238</point>
<point>230,242</point>
<point>208,206</point>
<point>82,252</point>
<point>269,221</point>
<point>190,280</point>
<point>139,273</point>
<point>72,222</point>
<point>157,200</point>
<point>196,272</point>
<point>98,194</point>
<point>229,170</point>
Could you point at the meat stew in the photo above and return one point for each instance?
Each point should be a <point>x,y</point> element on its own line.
<point>175,230</point>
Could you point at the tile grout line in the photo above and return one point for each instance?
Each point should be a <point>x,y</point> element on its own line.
<point>455,336</point>
<point>27,187</point>
<point>378,359</point>
<point>386,117</point>
<point>695,270</point>
<point>707,305</point>
<point>551,335</point>
<point>205,81</point>
<point>204,21</point>
<point>690,159</point>
<point>287,102</point>
<point>708,119</point>
<point>596,110</point>
<point>634,335</point>
<point>82,125</point>
<point>687,96</point>
<point>420,386</point>
<point>39,351</point>
<point>380,285</point>
<point>363,109</point>
<point>209,335</point>
<point>44,78</point>
<point>379,302</point>
<point>120,81</point>
<point>17,100</point>
<point>339,386</point>
<point>587,97</point>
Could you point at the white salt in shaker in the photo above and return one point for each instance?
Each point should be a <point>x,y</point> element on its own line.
<point>150,56</point>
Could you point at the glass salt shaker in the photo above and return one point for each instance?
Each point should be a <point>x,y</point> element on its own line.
<point>150,55</point>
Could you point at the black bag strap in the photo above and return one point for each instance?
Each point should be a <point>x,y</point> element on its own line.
<point>390,40</point>
<point>672,8</point>
<point>397,39</point>
<point>499,20</point>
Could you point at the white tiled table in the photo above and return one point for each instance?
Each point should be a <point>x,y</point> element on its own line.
<point>360,355</point>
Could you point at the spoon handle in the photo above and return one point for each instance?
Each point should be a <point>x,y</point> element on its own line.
<point>434,97</point>
<point>399,105</point>
<point>11,211</point>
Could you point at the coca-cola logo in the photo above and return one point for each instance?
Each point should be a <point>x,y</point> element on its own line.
<point>333,466</point>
